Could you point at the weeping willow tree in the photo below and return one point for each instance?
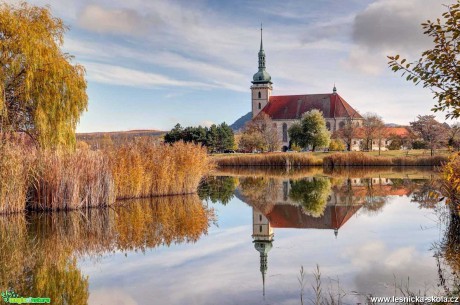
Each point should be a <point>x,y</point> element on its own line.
<point>42,93</point>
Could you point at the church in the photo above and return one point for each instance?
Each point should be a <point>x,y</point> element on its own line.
<point>286,109</point>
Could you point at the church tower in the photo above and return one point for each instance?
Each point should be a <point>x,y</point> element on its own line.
<point>261,88</point>
<point>262,234</point>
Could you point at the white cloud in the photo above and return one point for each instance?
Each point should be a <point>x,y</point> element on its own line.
<point>390,27</point>
<point>206,123</point>
<point>116,75</point>
<point>116,20</point>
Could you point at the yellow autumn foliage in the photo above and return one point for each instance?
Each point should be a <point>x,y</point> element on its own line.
<point>41,92</point>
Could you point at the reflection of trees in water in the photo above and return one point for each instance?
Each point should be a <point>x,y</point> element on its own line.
<point>260,190</point>
<point>311,193</point>
<point>37,267</point>
<point>447,252</point>
<point>217,189</point>
<point>38,252</point>
<point>426,193</point>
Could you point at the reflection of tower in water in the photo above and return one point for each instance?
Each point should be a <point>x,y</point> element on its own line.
<point>262,235</point>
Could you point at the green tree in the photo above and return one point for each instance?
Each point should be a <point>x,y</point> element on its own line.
<point>311,193</point>
<point>310,131</point>
<point>41,92</point>
<point>226,137</point>
<point>217,189</point>
<point>176,134</point>
<point>438,68</point>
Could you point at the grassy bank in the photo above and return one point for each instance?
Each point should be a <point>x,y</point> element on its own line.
<point>268,159</point>
<point>61,180</point>
<point>363,159</point>
<point>290,160</point>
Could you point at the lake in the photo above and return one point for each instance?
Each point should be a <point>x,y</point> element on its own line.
<point>242,239</point>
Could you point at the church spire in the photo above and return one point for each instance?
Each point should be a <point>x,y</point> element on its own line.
<point>261,43</point>
<point>261,77</point>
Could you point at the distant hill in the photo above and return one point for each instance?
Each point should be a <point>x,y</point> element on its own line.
<point>239,124</point>
<point>99,139</point>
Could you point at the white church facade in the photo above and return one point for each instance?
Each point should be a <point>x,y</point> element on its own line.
<point>287,109</point>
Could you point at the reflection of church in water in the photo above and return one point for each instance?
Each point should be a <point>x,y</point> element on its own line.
<point>283,212</point>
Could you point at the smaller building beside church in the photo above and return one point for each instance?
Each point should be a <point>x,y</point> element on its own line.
<point>287,109</point>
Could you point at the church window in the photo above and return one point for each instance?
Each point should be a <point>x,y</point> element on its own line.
<point>285,133</point>
<point>260,228</point>
<point>260,105</point>
<point>260,217</point>
<point>260,95</point>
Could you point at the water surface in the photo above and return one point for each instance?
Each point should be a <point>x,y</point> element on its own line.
<point>241,240</point>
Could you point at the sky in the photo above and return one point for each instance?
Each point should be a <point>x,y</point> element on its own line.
<point>152,64</point>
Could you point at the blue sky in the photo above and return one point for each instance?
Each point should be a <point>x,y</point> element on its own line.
<point>152,64</point>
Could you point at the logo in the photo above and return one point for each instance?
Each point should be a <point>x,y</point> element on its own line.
<point>12,297</point>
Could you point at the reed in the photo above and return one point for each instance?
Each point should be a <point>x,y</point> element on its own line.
<point>362,159</point>
<point>70,180</point>
<point>15,163</point>
<point>143,170</point>
<point>269,160</point>
<point>38,179</point>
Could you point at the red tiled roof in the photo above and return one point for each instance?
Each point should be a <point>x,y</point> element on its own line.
<point>289,216</point>
<point>288,107</point>
<point>387,132</point>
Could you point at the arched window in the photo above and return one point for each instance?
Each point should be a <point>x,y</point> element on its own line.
<point>328,126</point>
<point>285,133</point>
<point>260,217</point>
<point>260,228</point>
<point>341,125</point>
<point>260,95</point>
<point>260,105</point>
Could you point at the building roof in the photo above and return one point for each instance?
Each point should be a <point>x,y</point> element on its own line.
<point>290,107</point>
<point>386,132</point>
<point>289,216</point>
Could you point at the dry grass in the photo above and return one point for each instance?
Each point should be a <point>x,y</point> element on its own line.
<point>64,181</point>
<point>269,159</point>
<point>144,170</point>
<point>362,159</point>
<point>14,176</point>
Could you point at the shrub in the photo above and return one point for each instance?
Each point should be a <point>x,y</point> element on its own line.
<point>451,178</point>
<point>336,145</point>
